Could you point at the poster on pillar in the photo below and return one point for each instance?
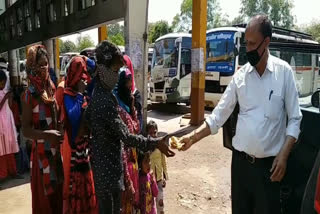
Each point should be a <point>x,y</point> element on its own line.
<point>197,60</point>
<point>136,54</point>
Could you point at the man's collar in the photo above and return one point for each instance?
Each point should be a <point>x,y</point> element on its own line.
<point>269,67</point>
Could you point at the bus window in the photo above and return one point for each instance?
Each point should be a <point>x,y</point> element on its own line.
<point>186,42</point>
<point>303,59</point>
<point>185,62</point>
<point>286,55</point>
<point>165,53</point>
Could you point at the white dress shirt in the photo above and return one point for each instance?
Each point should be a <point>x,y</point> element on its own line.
<point>266,102</point>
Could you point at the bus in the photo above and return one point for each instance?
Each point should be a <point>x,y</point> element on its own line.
<point>226,53</point>
<point>170,80</point>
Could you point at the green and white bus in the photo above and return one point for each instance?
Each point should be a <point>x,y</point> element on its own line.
<point>170,80</point>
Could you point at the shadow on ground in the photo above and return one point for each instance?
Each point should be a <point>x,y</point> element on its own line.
<point>13,182</point>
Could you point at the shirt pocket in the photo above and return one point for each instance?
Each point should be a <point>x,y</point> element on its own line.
<point>274,107</point>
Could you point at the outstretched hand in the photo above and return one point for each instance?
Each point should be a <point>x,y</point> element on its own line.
<point>163,146</point>
<point>186,142</point>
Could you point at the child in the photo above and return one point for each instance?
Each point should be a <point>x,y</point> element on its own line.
<point>148,187</point>
<point>8,135</point>
<point>158,166</point>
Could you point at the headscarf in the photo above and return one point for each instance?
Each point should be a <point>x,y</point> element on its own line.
<point>129,65</point>
<point>106,53</point>
<point>122,93</point>
<point>76,71</point>
<point>39,78</point>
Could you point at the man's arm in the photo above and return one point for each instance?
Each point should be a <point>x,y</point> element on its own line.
<point>293,128</point>
<point>218,117</point>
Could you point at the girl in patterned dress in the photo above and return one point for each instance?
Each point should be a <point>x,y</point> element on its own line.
<point>39,122</point>
<point>128,114</point>
<point>148,187</point>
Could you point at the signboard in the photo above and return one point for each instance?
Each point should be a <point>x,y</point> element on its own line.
<point>220,52</point>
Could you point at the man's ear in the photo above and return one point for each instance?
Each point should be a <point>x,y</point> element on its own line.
<point>268,40</point>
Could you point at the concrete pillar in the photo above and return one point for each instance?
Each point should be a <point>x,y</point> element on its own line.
<point>136,24</point>
<point>198,59</point>
<point>12,59</point>
<point>13,67</point>
<point>49,47</point>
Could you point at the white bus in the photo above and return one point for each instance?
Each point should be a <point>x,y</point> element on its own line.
<point>226,53</point>
<point>170,80</point>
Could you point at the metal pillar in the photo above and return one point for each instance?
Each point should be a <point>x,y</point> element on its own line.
<point>136,27</point>
<point>199,27</point>
<point>102,33</point>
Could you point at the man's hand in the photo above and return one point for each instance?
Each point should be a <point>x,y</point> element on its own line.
<point>164,147</point>
<point>279,167</point>
<point>186,141</point>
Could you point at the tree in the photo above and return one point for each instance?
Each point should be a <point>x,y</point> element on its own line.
<point>313,29</point>
<point>279,11</point>
<point>117,39</point>
<point>237,20</point>
<point>84,42</point>
<point>158,29</point>
<point>183,21</point>
<point>116,34</point>
<point>67,46</point>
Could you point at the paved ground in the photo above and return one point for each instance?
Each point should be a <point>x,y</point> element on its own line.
<point>199,178</point>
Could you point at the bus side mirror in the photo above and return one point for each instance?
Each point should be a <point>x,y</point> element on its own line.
<point>315,98</point>
<point>178,41</point>
<point>236,52</point>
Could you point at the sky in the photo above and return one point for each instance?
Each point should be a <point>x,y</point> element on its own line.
<point>304,11</point>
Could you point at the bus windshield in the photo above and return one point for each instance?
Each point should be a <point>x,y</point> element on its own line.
<point>220,52</point>
<point>165,53</point>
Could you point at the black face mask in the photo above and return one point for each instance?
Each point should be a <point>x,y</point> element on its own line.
<point>253,56</point>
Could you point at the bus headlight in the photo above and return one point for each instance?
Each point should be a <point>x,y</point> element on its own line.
<point>170,90</point>
<point>172,72</point>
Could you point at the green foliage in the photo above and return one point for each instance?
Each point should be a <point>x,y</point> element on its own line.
<point>237,20</point>
<point>116,34</point>
<point>67,46</point>
<point>279,11</point>
<point>314,30</point>
<point>183,21</point>
<point>117,39</point>
<point>84,42</point>
<point>158,29</point>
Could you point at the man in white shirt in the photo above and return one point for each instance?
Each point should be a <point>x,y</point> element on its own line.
<point>268,123</point>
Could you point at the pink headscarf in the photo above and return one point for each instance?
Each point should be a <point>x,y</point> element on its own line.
<point>129,65</point>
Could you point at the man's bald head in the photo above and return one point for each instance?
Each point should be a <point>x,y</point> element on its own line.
<point>260,23</point>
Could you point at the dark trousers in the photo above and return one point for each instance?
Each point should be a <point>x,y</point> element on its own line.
<point>251,188</point>
<point>111,204</point>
